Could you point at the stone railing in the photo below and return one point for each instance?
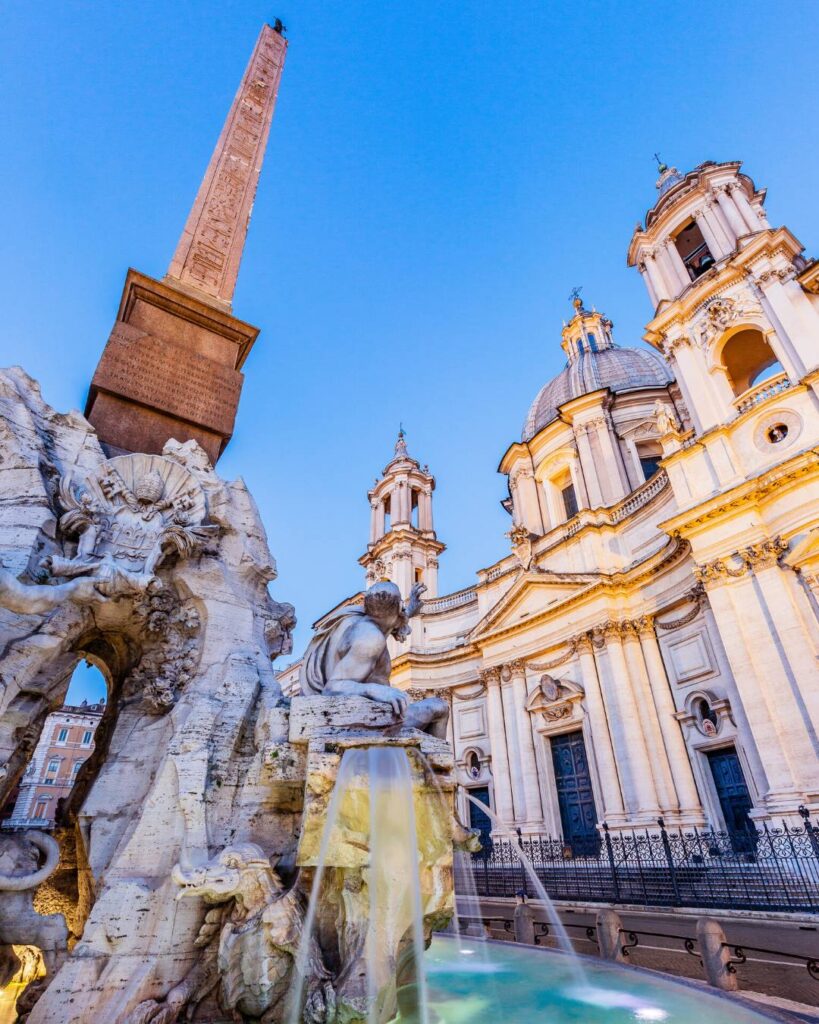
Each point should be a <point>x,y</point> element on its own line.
<point>761,392</point>
<point>456,600</point>
<point>642,496</point>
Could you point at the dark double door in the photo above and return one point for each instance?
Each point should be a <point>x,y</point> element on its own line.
<point>575,797</point>
<point>479,819</point>
<point>734,798</point>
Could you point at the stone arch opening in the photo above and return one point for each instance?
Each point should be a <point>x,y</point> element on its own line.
<point>748,359</point>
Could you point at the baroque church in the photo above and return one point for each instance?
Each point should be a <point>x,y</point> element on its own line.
<point>647,649</point>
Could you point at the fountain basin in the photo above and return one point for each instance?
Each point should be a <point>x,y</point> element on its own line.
<point>504,983</point>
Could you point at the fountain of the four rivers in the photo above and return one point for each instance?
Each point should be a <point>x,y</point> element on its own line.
<point>226,854</point>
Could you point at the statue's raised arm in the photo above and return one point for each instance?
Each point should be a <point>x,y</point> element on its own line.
<point>413,605</point>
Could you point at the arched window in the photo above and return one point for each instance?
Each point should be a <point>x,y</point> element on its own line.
<point>748,359</point>
<point>473,764</point>
<point>387,514</point>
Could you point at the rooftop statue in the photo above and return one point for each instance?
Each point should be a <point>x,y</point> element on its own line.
<point>348,656</point>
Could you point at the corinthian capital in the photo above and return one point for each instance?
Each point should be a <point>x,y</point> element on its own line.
<point>763,554</point>
<point>490,675</point>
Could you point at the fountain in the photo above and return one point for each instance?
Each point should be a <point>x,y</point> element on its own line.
<point>376,852</point>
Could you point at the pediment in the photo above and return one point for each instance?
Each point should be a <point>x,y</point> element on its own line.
<point>531,595</point>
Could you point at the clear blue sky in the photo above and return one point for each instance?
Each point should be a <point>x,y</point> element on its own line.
<point>439,176</point>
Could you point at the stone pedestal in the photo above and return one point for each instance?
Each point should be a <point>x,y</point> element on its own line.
<point>365,864</point>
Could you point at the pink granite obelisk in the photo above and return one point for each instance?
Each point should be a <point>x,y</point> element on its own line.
<point>171,367</point>
<point>210,249</point>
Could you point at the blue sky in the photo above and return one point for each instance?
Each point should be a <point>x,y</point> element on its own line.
<point>439,176</point>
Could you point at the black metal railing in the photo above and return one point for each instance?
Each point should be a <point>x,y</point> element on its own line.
<point>760,869</point>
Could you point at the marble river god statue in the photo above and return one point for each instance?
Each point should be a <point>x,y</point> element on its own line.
<point>348,656</point>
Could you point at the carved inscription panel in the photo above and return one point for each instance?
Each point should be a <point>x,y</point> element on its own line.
<point>173,380</point>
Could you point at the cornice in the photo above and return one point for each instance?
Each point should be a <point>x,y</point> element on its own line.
<point>747,493</point>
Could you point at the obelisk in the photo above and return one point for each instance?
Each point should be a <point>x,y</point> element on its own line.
<point>172,365</point>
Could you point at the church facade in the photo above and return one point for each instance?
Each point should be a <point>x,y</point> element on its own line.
<point>648,646</point>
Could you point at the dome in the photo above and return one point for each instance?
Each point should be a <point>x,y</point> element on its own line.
<point>620,369</point>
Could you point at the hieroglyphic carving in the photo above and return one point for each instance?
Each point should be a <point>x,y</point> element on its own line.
<point>210,248</point>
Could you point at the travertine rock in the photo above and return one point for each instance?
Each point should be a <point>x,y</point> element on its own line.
<point>202,776</point>
<point>183,627</point>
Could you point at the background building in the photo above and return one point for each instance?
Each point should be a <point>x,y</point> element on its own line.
<point>66,743</point>
<point>648,646</point>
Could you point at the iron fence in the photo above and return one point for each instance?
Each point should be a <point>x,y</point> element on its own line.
<point>761,869</point>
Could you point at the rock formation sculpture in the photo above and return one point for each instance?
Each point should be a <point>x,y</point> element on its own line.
<point>20,874</point>
<point>248,943</point>
<point>202,775</point>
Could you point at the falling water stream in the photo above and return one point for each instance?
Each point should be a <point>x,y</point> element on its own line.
<point>562,936</point>
<point>395,920</point>
<point>486,981</point>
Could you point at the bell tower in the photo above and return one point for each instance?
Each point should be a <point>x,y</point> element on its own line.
<point>403,547</point>
<point>731,313</point>
<point>171,367</point>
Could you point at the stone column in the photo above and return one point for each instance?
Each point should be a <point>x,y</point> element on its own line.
<point>749,214</point>
<point>502,786</point>
<point>764,682</point>
<point>732,214</point>
<point>614,482</point>
<point>675,260</point>
<point>634,767</point>
<point>649,720</point>
<point>711,240</point>
<point>656,278</point>
<point>652,294</point>
<point>669,270</point>
<point>612,810</point>
<point>513,744</point>
<point>676,750</point>
<point>380,520</point>
<point>794,342</point>
<point>796,641</point>
<point>526,747</point>
<point>664,271</point>
<point>587,465</point>
<point>578,483</point>
<point>705,406</point>
<point>718,217</point>
<point>373,521</point>
<point>524,490</point>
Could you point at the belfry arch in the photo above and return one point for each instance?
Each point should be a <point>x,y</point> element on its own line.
<point>747,358</point>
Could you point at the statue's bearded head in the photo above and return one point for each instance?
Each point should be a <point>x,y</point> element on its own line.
<point>149,488</point>
<point>382,602</point>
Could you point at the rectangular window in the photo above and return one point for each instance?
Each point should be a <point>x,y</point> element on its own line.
<point>569,500</point>
<point>53,765</point>
<point>62,736</point>
<point>76,768</point>
<point>86,737</point>
<point>419,575</point>
<point>41,810</point>
<point>650,464</point>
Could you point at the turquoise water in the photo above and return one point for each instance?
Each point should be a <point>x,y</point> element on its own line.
<point>505,984</point>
